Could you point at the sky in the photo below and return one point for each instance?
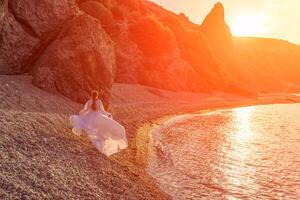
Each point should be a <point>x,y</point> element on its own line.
<point>261,18</point>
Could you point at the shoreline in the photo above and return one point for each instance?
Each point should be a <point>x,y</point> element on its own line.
<point>142,127</point>
<point>42,158</point>
<point>159,156</point>
<point>146,130</point>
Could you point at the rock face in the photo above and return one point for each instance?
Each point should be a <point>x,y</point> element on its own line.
<point>171,46</point>
<point>80,59</point>
<point>219,38</point>
<point>16,44</point>
<point>97,10</point>
<point>74,46</point>
<point>2,8</point>
<point>66,51</point>
<point>217,33</point>
<point>44,16</point>
<point>27,25</point>
<point>153,46</point>
<point>161,55</point>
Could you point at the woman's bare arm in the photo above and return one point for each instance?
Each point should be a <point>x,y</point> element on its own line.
<point>101,107</point>
<point>86,108</point>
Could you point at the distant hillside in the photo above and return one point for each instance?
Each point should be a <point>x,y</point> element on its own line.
<point>267,65</point>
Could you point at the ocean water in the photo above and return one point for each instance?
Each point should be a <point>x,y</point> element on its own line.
<point>244,153</point>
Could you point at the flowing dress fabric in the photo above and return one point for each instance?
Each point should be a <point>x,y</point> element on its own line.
<point>107,135</point>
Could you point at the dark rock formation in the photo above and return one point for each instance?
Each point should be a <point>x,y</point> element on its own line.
<point>103,14</point>
<point>39,17</point>
<point>66,52</point>
<point>73,46</point>
<point>80,59</point>
<point>26,27</point>
<point>16,44</point>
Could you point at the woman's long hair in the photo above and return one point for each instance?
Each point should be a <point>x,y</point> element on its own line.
<point>95,95</point>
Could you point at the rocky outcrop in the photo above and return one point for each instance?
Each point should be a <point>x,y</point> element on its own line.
<point>128,56</point>
<point>194,49</point>
<point>80,59</point>
<point>26,27</point>
<point>74,46</point>
<point>16,44</point>
<point>153,46</point>
<point>97,10</point>
<point>217,32</point>
<point>219,38</point>
<point>65,51</point>
<point>161,56</point>
<point>253,64</point>
<point>40,17</point>
<point>167,72</point>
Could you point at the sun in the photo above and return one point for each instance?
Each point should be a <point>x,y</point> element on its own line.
<point>248,25</point>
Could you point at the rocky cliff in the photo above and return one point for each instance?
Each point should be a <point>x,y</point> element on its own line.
<point>255,64</point>
<point>71,47</point>
<point>66,50</point>
<point>218,33</point>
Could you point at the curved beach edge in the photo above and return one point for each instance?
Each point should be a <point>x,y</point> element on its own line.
<point>41,157</point>
<point>144,132</point>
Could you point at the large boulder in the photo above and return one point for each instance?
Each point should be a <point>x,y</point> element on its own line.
<point>16,44</point>
<point>42,16</point>
<point>103,14</point>
<point>27,27</point>
<point>80,59</point>
<point>66,51</point>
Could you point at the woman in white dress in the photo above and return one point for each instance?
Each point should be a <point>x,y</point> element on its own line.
<point>107,135</point>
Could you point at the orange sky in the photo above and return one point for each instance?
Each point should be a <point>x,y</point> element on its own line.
<point>262,18</point>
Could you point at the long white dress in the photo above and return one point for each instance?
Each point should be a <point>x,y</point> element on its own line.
<point>107,135</point>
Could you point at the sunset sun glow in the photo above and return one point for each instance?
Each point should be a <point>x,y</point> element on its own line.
<point>245,25</point>
<point>258,18</point>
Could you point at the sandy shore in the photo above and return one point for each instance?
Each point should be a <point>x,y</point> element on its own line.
<point>42,159</point>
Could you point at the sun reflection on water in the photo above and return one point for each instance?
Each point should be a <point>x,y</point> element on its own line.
<point>243,153</point>
<point>241,175</point>
<point>243,124</point>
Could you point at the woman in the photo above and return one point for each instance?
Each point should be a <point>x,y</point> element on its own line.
<point>107,135</point>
